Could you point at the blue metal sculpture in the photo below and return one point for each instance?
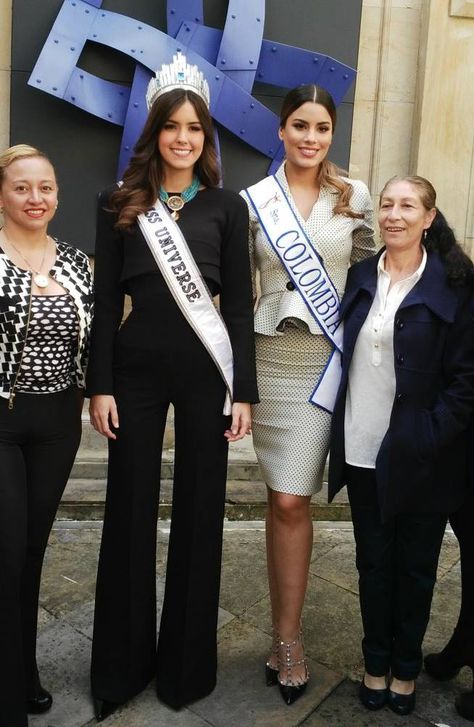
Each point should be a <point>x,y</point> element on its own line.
<point>232,60</point>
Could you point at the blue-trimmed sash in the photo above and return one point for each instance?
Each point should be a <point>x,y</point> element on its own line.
<point>306,269</point>
<point>178,267</point>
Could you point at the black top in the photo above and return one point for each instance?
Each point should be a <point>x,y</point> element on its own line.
<point>215,225</point>
<point>47,363</point>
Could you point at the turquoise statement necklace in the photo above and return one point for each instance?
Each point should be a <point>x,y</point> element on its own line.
<point>176,202</point>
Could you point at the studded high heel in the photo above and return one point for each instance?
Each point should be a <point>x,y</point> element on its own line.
<point>271,672</point>
<point>292,688</point>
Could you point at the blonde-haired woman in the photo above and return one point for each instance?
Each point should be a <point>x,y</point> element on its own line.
<point>45,312</point>
<point>307,224</point>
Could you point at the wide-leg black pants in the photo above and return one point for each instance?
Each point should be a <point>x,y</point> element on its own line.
<point>150,373</point>
<point>397,562</point>
<point>39,438</point>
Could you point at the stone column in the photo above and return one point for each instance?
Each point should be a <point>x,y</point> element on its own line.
<point>385,90</point>
<point>5,70</point>
<point>443,142</point>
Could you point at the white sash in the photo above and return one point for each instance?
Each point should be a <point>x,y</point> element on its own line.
<point>182,276</point>
<point>306,270</point>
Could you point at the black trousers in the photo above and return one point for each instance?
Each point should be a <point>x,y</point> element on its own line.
<point>151,373</point>
<point>397,562</point>
<point>462,523</point>
<point>39,438</point>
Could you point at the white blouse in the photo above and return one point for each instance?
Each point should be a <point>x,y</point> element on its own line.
<point>371,384</point>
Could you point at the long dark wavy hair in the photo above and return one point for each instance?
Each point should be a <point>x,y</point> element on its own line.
<point>143,177</point>
<point>329,173</point>
<point>440,236</point>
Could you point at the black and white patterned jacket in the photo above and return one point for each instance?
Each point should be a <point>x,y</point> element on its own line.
<point>72,271</point>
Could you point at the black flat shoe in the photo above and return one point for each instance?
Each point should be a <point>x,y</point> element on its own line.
<point>372,699</point>
<point>103,709</point>
<point>271,676</point>
<point>39,704</point>
<point>401,704</point>
<point>465,705</point>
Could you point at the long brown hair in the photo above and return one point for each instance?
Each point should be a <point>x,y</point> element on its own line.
<point>143,177</point>
<point>330,174</point>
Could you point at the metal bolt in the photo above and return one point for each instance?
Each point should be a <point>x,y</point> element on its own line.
<point>135,105</point>
<point>251,62</point>
<point>73,98</point>
<point>274,50</point>
<point>38,80</point>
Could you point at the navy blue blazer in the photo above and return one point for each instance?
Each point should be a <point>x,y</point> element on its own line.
<point>421,464</point>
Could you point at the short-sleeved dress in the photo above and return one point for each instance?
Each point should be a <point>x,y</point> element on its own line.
<point>291,435</point>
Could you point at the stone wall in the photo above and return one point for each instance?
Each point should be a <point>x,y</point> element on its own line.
<point>414,110</point>
<point>5,66</point>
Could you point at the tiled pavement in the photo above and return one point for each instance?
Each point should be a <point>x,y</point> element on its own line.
<point>332,634</point>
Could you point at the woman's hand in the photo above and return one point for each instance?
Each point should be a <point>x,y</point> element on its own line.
<point>241,422</point>
<point>103,412</point>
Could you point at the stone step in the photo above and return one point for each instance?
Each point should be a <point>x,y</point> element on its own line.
<point>84,499</point>
<point>92,464</point>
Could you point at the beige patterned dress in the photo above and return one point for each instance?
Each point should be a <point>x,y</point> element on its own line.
<point>291,436</point>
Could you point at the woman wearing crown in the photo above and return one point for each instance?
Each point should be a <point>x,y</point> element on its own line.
<point>171,239</point>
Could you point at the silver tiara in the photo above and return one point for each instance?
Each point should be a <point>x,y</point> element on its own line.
<point>178,74</point>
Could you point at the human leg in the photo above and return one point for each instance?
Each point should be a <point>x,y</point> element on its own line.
<point>187,645</point>
<point>459,651</point>
<point>271,667</point>
<point>291,544</point>
<point>418,543</point>
<point>13,517</point>
<point>375,564</point>
<point>49,455</point>
<point>124,640</point>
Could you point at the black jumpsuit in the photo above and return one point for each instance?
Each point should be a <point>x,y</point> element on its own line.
<point>152,360</point>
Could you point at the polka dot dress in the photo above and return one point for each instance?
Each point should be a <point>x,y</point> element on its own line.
<point>290,435</point>
<point>47,364</point>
